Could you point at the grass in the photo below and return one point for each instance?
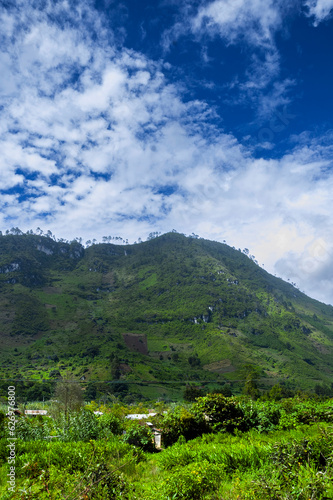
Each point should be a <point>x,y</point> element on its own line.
<point>294,460</point>
<point>243,467</point>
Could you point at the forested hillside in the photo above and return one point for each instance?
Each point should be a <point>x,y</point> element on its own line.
<point>142,320</point>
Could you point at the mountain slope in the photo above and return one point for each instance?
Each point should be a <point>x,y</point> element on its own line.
<point>171,309</point>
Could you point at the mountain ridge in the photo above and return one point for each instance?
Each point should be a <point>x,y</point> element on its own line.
<point>173,308</point>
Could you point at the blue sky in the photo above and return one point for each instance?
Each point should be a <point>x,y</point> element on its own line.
<point>205,116</point>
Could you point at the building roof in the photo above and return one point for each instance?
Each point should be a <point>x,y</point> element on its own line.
<point>35,412</point>
<point>140,416</point>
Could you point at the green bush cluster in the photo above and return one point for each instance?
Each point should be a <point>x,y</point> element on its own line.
<point>308,465</point>
<point>221,412</point>
<point>140,436</point>
<point>215,448</point>
<point>185,422</point>
<point>191,481</point>
<point>216,412</point>
<point>75,426</point>
<point>279,465</point>
<point>72,470</point>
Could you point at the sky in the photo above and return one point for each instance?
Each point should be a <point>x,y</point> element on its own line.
<point>211,117</point>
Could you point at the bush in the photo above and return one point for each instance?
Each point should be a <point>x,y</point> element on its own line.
<point>182,422</point>
<point>315,451</point>
<point>223,413</point>
<point>33,428</point>
<point>262,416</point>
<point>82,426</point>
<point>193,481</point>
<point>140,436</point>
<point>111,423</point>
<point>2,421</point>
<point>192,392</point>
<point>88,469</point>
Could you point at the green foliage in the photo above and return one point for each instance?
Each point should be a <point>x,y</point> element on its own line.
<point>73,470</point>
<point>296,411</point>
<point>182,422</point>
<point>2,421</point>
<point>223,413</point>
<point>192,481</point>
<point>225,390</point>
<point>263,417</point>
<point>139,435</point>
<point>307,463</point>
<point>278,392</point>
<point>111,423</point>
<point>284,451</point>
<point>204,307</point>
<point>30,316</point>
<point>32,429</point>
<point>69,396</point>
<point>82,426</point>
<point>39,392</point>
<point>192,392</point>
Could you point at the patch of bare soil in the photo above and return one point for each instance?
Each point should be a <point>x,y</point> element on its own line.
<point>136,342</point>
<point>223,366</point>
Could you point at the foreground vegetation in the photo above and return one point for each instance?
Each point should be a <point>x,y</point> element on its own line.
<point>215,448</point>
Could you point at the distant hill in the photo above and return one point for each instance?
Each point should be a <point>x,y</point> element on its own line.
<point>159,313</point>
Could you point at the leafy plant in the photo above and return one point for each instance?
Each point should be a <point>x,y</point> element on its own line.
<point>139,435</point>
<point>192,481</point>
<point>182,422</point>
<point>221,412</point>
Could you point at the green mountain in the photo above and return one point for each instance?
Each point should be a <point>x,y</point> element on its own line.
<point>152,316</point>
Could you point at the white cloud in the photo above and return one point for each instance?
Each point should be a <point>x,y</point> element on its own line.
<point>253,21</point>
<point>251,25</point>
<point>319,10</point>
<point>108,146</point>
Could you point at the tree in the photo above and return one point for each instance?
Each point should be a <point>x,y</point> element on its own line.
<point>194,360</point>
<point>223,413</point>
<point>69,395</point>
<point>251,374</point>
<point>192,392</point>
<point>225,390</point>
<point>114,367</point>
<point>140,436</point>
<point>323,390</point>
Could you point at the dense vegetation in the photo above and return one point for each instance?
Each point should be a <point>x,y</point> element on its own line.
<point>214,448</point>
<point>140,321</point>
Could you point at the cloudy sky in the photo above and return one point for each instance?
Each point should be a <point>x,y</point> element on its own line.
<point>205,116</point>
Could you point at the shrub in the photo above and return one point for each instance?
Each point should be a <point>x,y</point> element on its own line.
<point>182,422</point>
<point>223,413</point>
<point>262,416</point>
<point>111,423</point>
<point>2,421</point>
<point>193,481</point>
<point>192,392</point>
<point>139,435</point>
<point>83,426</point>
<point>315,451</point>
<point>31,428</point>
<point>102,483</point>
